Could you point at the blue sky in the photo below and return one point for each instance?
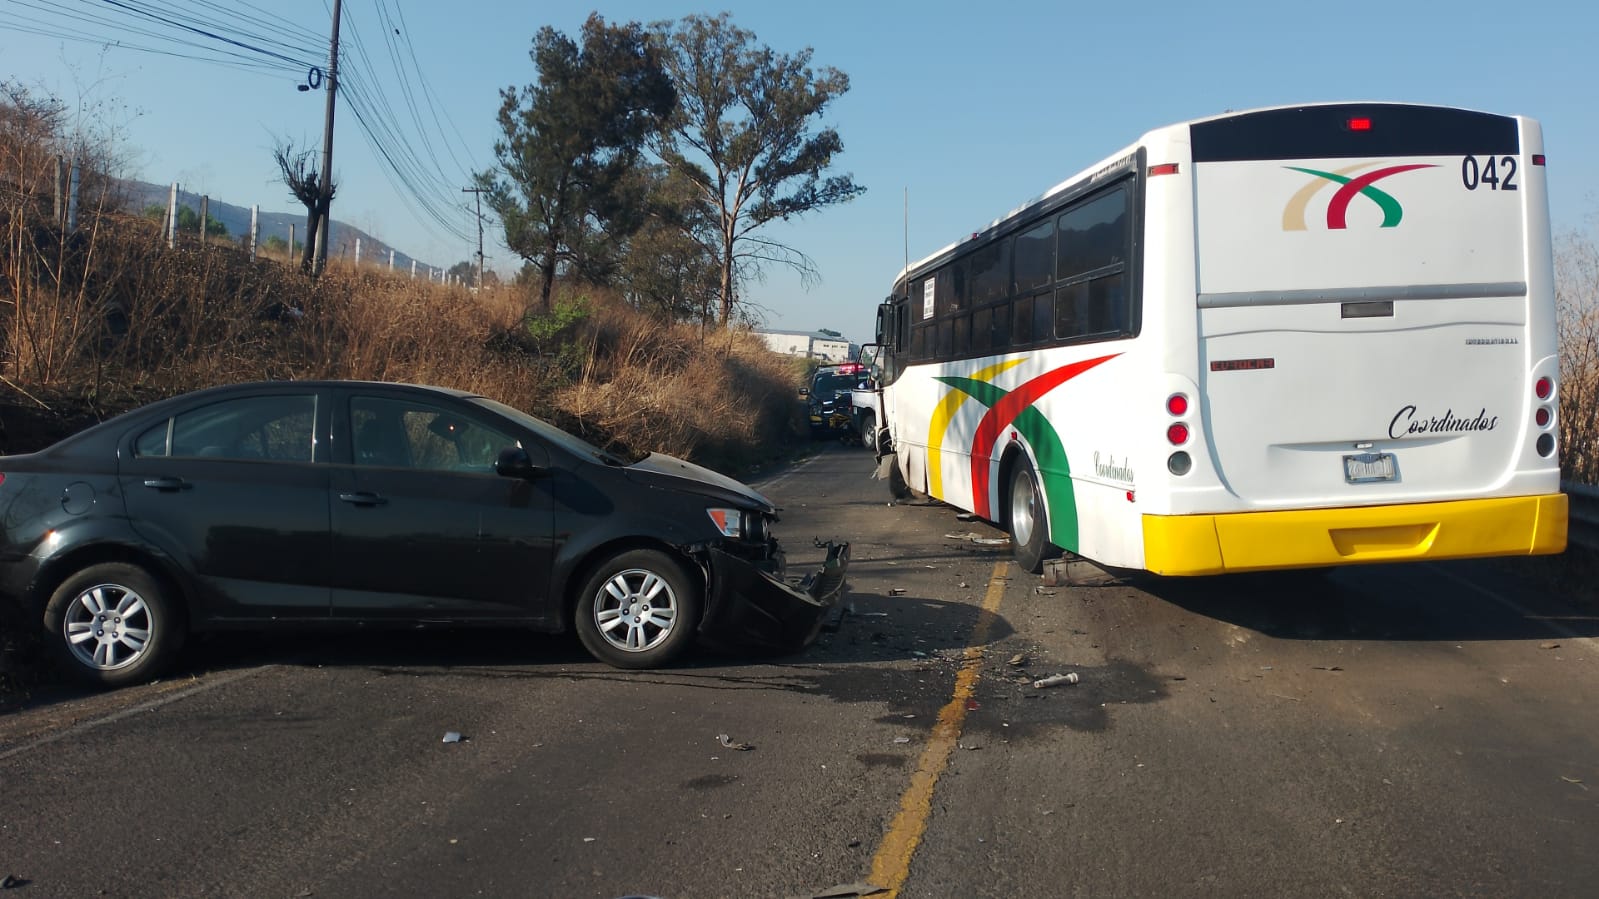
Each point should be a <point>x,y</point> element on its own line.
<point>971,108</point>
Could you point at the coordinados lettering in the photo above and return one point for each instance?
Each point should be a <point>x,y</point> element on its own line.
<point>1407,421</point>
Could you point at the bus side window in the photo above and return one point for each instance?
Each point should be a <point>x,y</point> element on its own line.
<point>1070,308</point>
<point>1043,316</point>
<point>983,329</point>
<point>1022,331</point>
<point>1002,314</point>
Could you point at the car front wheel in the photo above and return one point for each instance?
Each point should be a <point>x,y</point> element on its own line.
<point>638,610</point>
<point>112,624</point>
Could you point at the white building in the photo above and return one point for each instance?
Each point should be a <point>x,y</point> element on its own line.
<point>809,344</point>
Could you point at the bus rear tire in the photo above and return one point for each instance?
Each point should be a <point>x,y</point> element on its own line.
<point>1025,518</point>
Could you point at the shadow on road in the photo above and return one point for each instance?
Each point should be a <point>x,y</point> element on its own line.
<point>1444,601</point>
<point>880,629</point>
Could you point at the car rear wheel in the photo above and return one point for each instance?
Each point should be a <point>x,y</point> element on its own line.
<point>1026,517</point>
<point>638,610</point>
<point>113,624</point>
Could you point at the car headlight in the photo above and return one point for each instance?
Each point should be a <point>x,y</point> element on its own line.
<point>729,521</point>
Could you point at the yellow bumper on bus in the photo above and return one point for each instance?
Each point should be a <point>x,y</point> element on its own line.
<point>1261,541</point>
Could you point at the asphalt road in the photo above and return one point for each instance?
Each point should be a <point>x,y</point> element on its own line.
<point>1394,731</point>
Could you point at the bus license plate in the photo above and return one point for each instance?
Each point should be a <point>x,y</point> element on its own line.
<point>1368,467</point>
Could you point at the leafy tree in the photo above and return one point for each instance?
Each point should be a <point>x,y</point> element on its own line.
<point>568,143</point>
<point>188,220</point>
<point>669,266</point>
<point>745,135</point>
<point>466,271</point>
<point>277,244</point>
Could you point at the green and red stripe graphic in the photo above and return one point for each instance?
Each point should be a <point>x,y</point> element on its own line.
<point>1015,407</point>
<point>1338,207</point>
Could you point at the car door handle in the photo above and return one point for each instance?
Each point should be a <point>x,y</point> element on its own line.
<point>363,499</point>
<point>167,484</point>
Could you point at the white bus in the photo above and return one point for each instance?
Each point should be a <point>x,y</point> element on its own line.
<point>1293,337</point>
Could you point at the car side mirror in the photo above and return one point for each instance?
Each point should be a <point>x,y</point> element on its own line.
<point>805,391</point>
<point>514,462</point>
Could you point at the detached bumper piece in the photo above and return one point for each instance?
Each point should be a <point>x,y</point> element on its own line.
<point>751,608</point>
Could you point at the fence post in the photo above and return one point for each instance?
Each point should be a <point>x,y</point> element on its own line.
<point>61,179</point>
<point>255,229</point>
<point>391,260</point>
<point>358,252</point>
<point>172,217</point>
<point>413,269</point>
<point>291,241</point>
<point>205,215</point>
<point>72,198</point>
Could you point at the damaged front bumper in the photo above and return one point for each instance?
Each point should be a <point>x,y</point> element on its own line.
<point>751,607</point>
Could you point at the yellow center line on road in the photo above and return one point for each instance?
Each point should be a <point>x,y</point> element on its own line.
<point>892,863</point>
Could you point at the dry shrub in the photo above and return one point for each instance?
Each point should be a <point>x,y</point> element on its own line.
<point>111,313</point>
<point>721,397</point>
<point>1577,292</point>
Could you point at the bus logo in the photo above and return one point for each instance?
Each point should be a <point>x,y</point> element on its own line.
<point>1350,185</point>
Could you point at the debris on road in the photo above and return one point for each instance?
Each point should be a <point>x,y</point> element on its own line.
<point>1017,660</point>
<point>1326,668</point>
<point>965,516</point>
<point>896,591</point>
<point>902,739</point>
<point>1574,780</point>
<point>1550,645</point>
<point>453,736</point>
<point>1055,680</point>
<point>991,541</point>
<point>10,883</point>
<point>1042,592</point>
<point>728,743</point>
<point>848,891</point>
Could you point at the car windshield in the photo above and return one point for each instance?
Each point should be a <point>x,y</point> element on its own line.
<point>829,384</point>
<point>558,437</point>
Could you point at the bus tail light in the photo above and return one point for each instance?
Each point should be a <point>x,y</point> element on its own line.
<point>1360,123</point>
<point>1177,434</point>
<point>1177,404</point>
<point>1537,159</point>
<point>1165,168</point>
<point>1179,463</point>
<point>1544,390</point>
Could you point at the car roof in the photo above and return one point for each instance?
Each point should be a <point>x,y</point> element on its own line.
<point>245,388</point>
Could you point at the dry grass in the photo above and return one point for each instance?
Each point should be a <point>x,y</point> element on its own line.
<point>109,317</point>
<point>1577,290</point>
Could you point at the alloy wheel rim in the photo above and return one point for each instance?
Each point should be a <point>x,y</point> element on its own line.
<point>635,610</point>
<point>108,626</point>
<point>1023,499</point>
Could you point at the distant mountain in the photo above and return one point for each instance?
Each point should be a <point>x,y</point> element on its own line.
<point>273,224</point>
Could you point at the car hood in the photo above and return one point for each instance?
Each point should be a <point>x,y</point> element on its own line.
<point>671,473</point>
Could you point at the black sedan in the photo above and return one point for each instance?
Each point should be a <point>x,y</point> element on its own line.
<point>352,503</point>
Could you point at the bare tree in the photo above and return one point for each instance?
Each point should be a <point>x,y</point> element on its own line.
<point>304,182</point>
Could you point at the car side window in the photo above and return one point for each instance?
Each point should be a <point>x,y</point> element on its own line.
<point>406,434</point>
<point>269,428</point>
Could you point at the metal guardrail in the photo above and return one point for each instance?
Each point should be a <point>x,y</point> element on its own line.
<point>1583,517</point>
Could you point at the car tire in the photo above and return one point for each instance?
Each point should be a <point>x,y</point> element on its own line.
<point>868,433</point>
<point>1024,516</point>
<point>113,624</point>
<point>639,609</point>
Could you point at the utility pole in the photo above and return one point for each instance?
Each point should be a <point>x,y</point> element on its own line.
<point>479,193</point>
<point>326,203</point>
